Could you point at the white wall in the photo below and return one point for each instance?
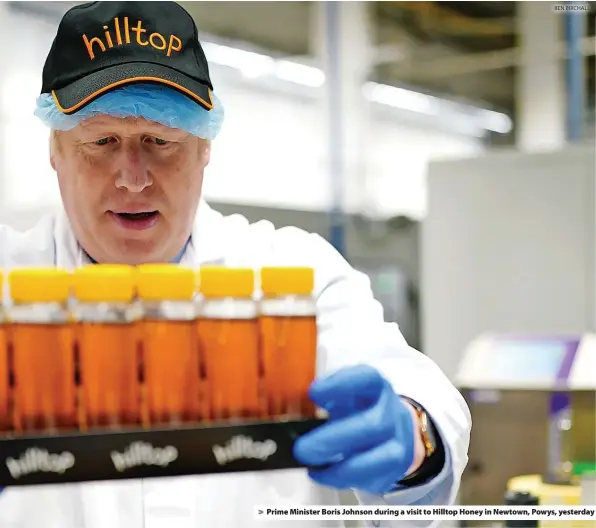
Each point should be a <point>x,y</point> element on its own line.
<point>272,149</point>
<point>514,234</point>
<point>26,179</point>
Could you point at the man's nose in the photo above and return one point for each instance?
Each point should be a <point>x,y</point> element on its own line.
<point>132,174</point>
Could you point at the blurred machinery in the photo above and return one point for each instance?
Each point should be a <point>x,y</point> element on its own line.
<point>508,246</point>
<point>509,250</point>
<point>533,405</point>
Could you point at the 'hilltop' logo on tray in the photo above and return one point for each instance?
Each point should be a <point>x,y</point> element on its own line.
<point>239,447</point>
<point>36,460</point>
<point>143,454</point>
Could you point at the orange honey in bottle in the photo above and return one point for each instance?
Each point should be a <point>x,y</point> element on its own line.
<point>170,345</point>
<point>5,419</point>
<point>42,338</point>
<point>288,339</point>
<point>228,337</point>
<point>108,346</point>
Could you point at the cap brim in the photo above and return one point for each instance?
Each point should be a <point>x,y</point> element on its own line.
<point>80,93</point>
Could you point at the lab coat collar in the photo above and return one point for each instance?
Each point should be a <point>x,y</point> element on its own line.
<point>204,246</point>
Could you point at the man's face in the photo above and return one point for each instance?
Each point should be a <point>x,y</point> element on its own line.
<point>130,187</point>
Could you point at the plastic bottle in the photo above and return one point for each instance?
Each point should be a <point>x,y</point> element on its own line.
<point>228,337</point>
<point>288,330</point>
<point>109,355</point>
<point>170,354</point>
<point>42,338</point>
<point>4,366</point>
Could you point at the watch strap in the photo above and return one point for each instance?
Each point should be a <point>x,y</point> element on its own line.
<point>434,459</point>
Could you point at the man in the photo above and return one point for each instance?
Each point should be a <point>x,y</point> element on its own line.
<point>127,94</point>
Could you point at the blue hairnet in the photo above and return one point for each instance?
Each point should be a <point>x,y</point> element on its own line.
<point>150,101</point>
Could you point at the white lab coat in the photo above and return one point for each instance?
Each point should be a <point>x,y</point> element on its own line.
<point>351,330</point>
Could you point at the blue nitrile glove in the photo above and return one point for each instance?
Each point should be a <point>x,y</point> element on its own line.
<point>367,444</point>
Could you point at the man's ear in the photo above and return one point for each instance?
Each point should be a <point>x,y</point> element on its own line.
<point>205,151</point>
<point>54,147</point>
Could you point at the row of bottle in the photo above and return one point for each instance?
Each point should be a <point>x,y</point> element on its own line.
<point>117,346</point>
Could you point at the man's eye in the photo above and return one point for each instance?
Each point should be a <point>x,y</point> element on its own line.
<point>103,141</point>
<point>159,141</point>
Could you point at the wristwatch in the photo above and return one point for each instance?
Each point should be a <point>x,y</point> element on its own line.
<point>426,430</point>
<point>434,458</point>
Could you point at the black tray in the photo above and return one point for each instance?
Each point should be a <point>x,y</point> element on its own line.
<point>133,454</point>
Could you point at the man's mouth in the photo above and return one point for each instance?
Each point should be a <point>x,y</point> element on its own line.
<point>137,216</point>
<point>139,221</point>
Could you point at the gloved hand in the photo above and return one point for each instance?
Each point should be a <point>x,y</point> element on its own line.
<point>367,443</point>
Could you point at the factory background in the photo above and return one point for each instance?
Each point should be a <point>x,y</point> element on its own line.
<point>445,148</point>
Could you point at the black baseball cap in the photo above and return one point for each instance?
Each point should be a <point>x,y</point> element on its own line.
<point>101,46</point>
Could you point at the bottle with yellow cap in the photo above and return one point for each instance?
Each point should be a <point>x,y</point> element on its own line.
<point>170,349</point>
<point>288,332</point>
<point>109,357</point>
<point>4,371</point>
<point>228,337</point>
<point>42,337</point>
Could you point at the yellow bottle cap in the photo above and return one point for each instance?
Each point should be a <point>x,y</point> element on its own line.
<point>104,283</point>
<point>287,281</point>
<point>165,282</point>
<point>219,281</point>
<point>39,285</point>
